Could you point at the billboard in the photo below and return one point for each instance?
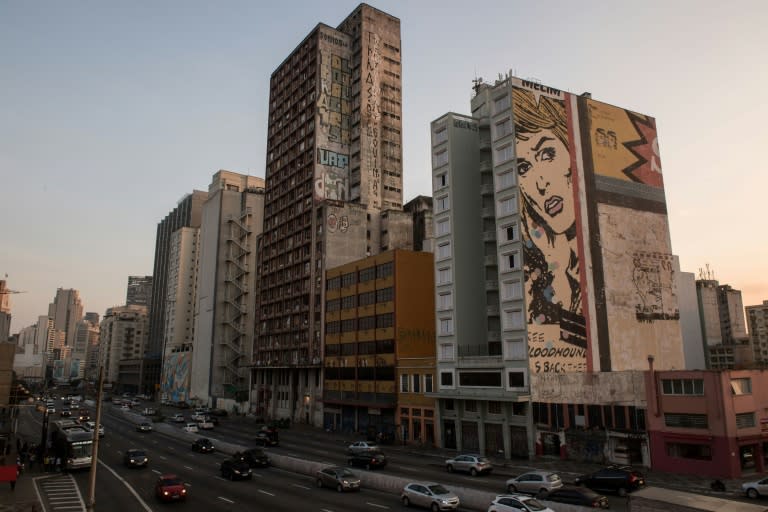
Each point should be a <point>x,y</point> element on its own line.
<point>176,374</point>
<point>548,176</point>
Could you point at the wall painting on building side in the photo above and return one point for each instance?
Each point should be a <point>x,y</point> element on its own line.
<point>176,373</point>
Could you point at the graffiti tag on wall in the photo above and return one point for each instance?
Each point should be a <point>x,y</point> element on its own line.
<point>338,223</point>
<point>373,113</point>
<point>653,279</point>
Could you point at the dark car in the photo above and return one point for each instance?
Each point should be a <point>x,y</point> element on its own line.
<point>236,469</point>
<point>255,457</point>
<point>267,436</point>
<point>66,411</point>
<point>135,458</point>
<point>170,488</point>
<point>576,496</point>
<point>202,445</point>
<point>367,460</point>
<point>618,479</point>
<point>144,426</point>
<point>218,412</point>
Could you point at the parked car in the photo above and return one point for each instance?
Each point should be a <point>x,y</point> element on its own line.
<point>755,489</point>
<point>255,457</point>
<point>178,418</point>
<point>517,503</point>
<point>135,458</point>
<point>144,426</point>
<point>339,478</point>
<point>535,482</point>
<point>236,469</point>
<point>169,487</point>
<point>202,445</point>
<point>363,446</point>
<point>469,463</point>
<point>368,460</point>
<point>618,479</point>
<point>191,428</point>
<point>577,496</point>
<point>430,495</point>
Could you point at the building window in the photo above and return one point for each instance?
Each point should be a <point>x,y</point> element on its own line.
<point>384,270</point>
<point>348,279</point>
<point>367,274</point>
<point>687,387</point>
<point>506,180</point>
<point>511,261</point>
<point>444,275</point>
<point>480,379</point>
<point>689,451</point>
<point>385,295</point>
<point>741,386</point>
<point>445,301</point>
<point>449,405</point>
<point>504,154</point>
<point>367,322</point>
<point>501,104</point>
<point>516,379</point>
<point>470,406</point>
<point>366,298</point>
<point>513,319</point>
<point>385,320</point>
<point>443,203</point>
<point>443,227</point>
<point>441,180</point>
<point>444,250</point>
<point>333,283</point>
<point>686,420</point>
<point>515,349</point>
<point>440,135</point>
<point>509,233</point>
<point>502,128</point>
<point>446,352</point>
<point>428,383</point>
<point>332,305</point>
<point>508,206</point>
<point>745,420</point>
<point>494,407</point>
<point>404,383</point>
<point>446,326</point>
<point>511,289</point>
<point>440,159</point>
<point>348,325</point>
<point>417,383</point>
<point>446,379</point>
<point>349,302</point>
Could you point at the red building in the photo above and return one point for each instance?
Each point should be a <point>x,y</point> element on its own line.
<point>711,423</point>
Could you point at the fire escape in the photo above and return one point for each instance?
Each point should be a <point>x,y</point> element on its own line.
<point>231,343</point>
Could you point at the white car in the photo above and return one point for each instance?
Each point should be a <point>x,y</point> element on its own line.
<point>362,446</point>
<point>191,428</point>
<point>197,416</point>
<point>430,495</point>
<point>90,425</point>
<point>205,424</point>
<point>178,418</point>
<point>756,489</point>
<point>517,503</point>
<point>534,482</point>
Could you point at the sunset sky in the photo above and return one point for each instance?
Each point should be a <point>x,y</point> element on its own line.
<point>112,111</point>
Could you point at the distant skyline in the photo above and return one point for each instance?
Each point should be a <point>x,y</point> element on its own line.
<point>113,111</point>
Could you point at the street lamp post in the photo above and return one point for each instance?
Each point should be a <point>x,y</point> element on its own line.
<point>95,455</point>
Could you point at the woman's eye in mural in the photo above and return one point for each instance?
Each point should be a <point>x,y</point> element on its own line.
<point>523,166</point>
<point>546,154</point>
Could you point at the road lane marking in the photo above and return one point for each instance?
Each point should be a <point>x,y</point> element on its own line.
<point>325,510</point>
<point>156,471</point>
<point>164,458</point>
<point>262,491</point>
<point>301,486</point>
<point>130,488</point>
<point>222,498</point>
<point>220,478</point>
<point>189,467</point>
<point>376,505</point>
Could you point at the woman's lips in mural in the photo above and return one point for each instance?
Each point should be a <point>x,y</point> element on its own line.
<point>553,205</point>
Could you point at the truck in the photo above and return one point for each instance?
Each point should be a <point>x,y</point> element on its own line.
<point>72,443</point>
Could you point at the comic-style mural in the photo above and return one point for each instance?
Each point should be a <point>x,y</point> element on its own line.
<point>624,144</point>
<point>176,374</point>
<point>334,119</point>
<point>546,174</point>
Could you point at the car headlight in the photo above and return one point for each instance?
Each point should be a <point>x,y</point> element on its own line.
<point>345,482</point>
<point>165,493</point>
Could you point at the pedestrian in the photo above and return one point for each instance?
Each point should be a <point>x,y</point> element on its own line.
<point>58,464</point>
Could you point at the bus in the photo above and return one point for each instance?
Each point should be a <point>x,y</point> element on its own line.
<point>73,444</point>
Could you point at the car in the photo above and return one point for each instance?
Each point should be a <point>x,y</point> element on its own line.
<point>236,469</point>
<point>50,409</point>
<point>535,482</point>
<point>90,425</point>
<point>212,419</point>
<point>202,445</point>
<point>125,407</point>
<point>339,478</point>
<point>191,428</point>
<point>218,412</point>
<point>204,425</point>
<point>84,415</point>
<point>517,503</point>
<point>577,496</point>
<point>66,411</point>
<point>618,479</point>
<point>169,487</point>
<point>148,411</point>
<point>469,463</point>
<point>267,436</point>
<point>363,446</point>
<point>178,418</point>
<point>135,458</point>
<point>430,495</point>
<point>144,426</point>
<point>197,416</point>
<point>255,457</point>
<point>368,460</point>
<point>755,489</point>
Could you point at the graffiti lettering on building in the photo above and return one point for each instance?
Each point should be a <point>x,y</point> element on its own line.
<point>332,159</point>
<point>333,40</point>
<point>653,280</point>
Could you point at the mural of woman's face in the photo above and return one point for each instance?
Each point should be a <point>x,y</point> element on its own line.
<point>544,174</point>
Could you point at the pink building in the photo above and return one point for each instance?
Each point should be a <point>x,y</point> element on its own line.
<point>710,423</point>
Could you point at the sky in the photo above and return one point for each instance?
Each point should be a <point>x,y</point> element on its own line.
<point>110,112</point>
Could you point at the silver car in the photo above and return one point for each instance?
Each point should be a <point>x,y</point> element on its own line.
<point>535,482</point>
<point>429,495</point>
<point>362,447</point>
<point>338,478</point>
<point>472,464</point>
<point>756,489</point>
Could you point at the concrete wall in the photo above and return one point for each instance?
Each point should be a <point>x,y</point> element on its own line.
<point>614,388</point>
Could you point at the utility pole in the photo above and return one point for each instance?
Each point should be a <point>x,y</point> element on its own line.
<point>95,456</point>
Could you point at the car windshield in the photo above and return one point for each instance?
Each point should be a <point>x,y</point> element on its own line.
<point>137,453</point>
<point>534,506</point>
<point>166,482</point>
<point>438,489</point>
<point>346,473</point>
<point>482,459</point>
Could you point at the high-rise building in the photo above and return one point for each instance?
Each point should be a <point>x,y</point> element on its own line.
<point>188,213</point>
<point>29,364</point>
<point>552,248</point>
<point>66,310</point>
<point>122,339</point>
<point>86,335</point>
<point>333,188</point>
<point>5,311</point>
<point>421,209</point>
<point>723,327</point>
<point>139,292</point>
<point>757,316</point>
<point>232,219</point>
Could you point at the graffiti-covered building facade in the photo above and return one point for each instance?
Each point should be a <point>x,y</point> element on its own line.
<point>553,262</point>
<point>333,195</point>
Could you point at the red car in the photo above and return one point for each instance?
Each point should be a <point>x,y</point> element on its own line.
<point>170,488</point>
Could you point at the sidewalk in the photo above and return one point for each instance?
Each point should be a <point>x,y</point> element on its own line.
<point>24,497</point>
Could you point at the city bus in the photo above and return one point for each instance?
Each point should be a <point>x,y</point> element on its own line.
<point>72,443</point>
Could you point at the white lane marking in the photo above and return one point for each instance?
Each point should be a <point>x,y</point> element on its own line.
<point>262,491</point>
<point>127,485</point>
<point>225,499</point>
<point>325,510</point>
<point>189,467</point>
<point>164,458</point>
<point>376,505</point>
<point>156,471</point>
<point>258,475</point>
<point>301,486</point>
<point>222,479</point>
